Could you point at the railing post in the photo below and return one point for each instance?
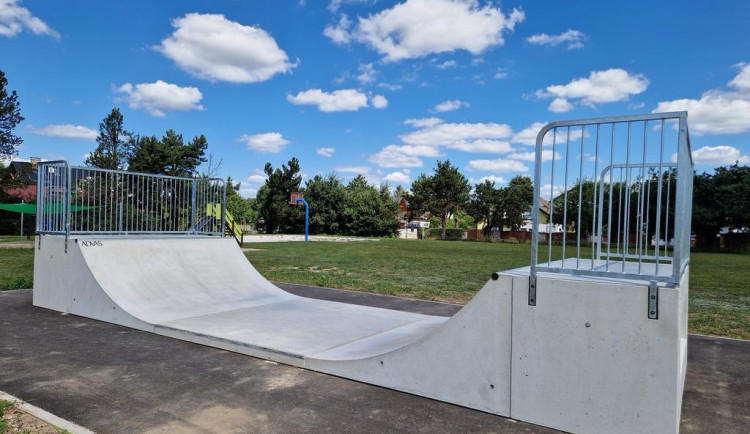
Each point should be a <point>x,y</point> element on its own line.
<point>224,209</point>
<point>193,199</point>
<point>66,204</point>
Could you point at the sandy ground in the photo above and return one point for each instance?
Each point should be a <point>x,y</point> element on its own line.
<point>287,238</point>
<point>17,245</point>
<point>21,422</point>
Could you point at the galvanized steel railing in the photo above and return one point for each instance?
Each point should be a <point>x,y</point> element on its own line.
<point>84,200</point>
<point>621,188</point>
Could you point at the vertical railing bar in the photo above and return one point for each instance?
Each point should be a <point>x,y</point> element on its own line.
<point>627,199</point>
<point>611,192</point>
<point>565,204</point>
<point>648,211</point>
<point>639,245</point>
<point>657,246</point>
<point>619,210</point>
<point>551,198</point>
<point>595,233</point>
<point>580,202</point>
<point>666,221</point>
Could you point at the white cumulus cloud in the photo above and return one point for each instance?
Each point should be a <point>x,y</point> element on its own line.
<point>404,155</point>
<point>573,38</point>
<point>336,101</point>
<point>423,122</point>
<point>448,134</point>
<point>499,165</point>
<point>560,105</point>
<point>211,47</point>
<point>531,156</point>
<point>379,102</point>
<point>65,131</point>
<point>339,32</point>
<point>482,146</point>
<point>492,178</point>
<point>14,19</point>
<point>718,155</point>
<point>326,152</point>
<point>599,87</point>
<point>159,97</point>
<point>266,143</point>
<point>398,177</point>
<point>416,28</point>
<point>527,136</point>
<point>717,111</point>
<point>447,106</point>
<point>353,169</point>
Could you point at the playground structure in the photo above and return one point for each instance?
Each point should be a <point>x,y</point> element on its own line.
<point>591,342</point>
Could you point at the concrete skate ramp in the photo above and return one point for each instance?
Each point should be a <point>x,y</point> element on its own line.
<point>204,290</point>
<point>585,359</point>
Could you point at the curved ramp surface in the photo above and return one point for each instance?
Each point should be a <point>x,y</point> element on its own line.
<point>204,290</point>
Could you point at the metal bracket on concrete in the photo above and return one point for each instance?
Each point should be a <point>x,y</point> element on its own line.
<point>653,300</point>
<point>532,290</point>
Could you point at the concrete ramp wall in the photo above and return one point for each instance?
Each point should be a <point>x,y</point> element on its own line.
<point>584,359</point>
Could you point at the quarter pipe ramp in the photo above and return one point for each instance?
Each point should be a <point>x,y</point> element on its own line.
<point>498,355</point>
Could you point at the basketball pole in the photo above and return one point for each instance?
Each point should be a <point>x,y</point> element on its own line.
<point>307,214</point>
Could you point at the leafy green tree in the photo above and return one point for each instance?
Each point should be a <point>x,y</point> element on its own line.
<point>10,117</point>
<point>442,194</point>
<point>275,214</point>
<point>721,199</point>
<point>518,198</point>
<point>486,205</point>
<point>168,156</point>
<point>114,144</point>
<point>327,199</point>
<point>369,211</point>
<point>587,206</point>
<point>238,206</point>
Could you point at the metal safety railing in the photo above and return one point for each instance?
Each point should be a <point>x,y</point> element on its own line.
<point>85,200</point>
<point>620,193</point>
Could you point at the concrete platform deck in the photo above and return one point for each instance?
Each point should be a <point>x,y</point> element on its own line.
<point>114,379</point>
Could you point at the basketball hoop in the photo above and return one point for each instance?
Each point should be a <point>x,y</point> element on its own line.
<point>294,196</point>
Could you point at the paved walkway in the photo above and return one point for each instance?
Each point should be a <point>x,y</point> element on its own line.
<point>113,379</point>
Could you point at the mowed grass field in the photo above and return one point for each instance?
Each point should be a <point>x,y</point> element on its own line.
<point>450,271</point>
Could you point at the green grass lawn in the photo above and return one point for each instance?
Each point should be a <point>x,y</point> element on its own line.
<point>16,268</point>
<point>450,271</point>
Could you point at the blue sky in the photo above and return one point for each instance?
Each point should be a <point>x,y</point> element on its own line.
<point>381,88</point>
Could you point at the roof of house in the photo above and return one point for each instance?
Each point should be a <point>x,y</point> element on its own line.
<point>23,171</point>
<point>544,205</point>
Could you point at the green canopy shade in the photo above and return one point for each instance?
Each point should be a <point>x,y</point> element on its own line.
<point>30,208</point>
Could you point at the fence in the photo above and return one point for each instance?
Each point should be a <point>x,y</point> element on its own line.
<point>82,200</point>
<point>625,184</point>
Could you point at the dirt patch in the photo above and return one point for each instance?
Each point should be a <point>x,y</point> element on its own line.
<point>248,249</point>
<point>18,245</point>
<point>18,421</point>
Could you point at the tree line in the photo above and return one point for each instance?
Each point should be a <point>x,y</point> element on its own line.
<point>720,199</point>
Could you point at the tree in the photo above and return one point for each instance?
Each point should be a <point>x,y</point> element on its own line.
<point>168,156</point>
<point>327,199</point>
<point>113,143</point>
<point>719,200</point>
<point>518,198</point>
<point>442,194</point>
<point>369,211</point>
<point>238,206</point>
<point>10,117</point>
<point>486,205</point>
<point>275,214</point>
<point>587,206</point>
